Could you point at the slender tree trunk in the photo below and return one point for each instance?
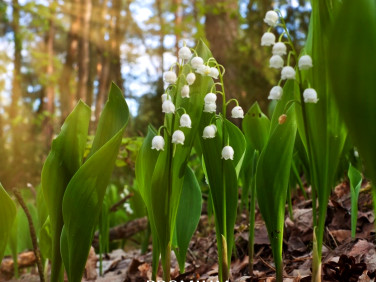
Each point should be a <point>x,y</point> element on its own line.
<point>225,20</point>
<point>83,50</point>
<point>116,39</point>
<point>104,61</point>
<point>178,20</point>
<point>50,91</point>
<point>16,81</point>
<point>161,45</point>
<point>66,83</point>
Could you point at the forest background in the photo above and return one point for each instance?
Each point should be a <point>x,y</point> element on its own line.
<point>53,53</point>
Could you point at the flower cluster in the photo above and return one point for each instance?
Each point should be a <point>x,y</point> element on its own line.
<point>276,61</point>
<point>209,68</point>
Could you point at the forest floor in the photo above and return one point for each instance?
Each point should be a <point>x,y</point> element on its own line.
<point>344,258</point>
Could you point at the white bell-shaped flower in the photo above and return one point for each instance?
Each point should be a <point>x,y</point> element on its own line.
<point>210,107</point>
<point>288,73</point>
<point>228,153</point>
<point>191,77</point>
<point>275,93</point>
<point>214,73</point>
<point>276,62</point>
<point>271,18</point>
<point>164,97</point>
<point>310,96</point>
<point>203,70</point>
<point>170,77</point>
<point>237,112</point>
<point>197,62</point>
<point>210,98</point>
<point>305,62</point>
<point>268,39</point>
<point>279,49</point>
<point>178,137</point>
<point>157,143</point>
<point>185,91</point>
<point>209,131</point>
<point>185,53</point>
<point>168,107</point>
<point>185,121</point>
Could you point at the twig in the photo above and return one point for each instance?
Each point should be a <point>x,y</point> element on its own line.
<point>267,264</point>
<point>32,234</point>
<point>115,207</point>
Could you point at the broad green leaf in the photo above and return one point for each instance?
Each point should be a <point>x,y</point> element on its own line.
<point>222,178</point>
<point>188,216</point>
<point>256,127</point>
<point>63,161</point>
<point>325,131</point>
<point>355,183</point>
<point>145,164</point>
<point>45,239</point>
<point>85,192</point>
<point>352,70</point>
<point>272,178</point>
<point>7,216</point>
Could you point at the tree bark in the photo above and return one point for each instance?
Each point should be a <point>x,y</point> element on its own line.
<point>83,50</point>
<point>221,27</point>
<point>66,83</point>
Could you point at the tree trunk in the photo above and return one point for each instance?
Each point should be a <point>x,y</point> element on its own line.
<point>221,29</point>
<point>178,20</point>
<point>50,91</point>
<point>16,81</point>
<point>66,84</point>
<point>161,50</point>
<point>83,50</point>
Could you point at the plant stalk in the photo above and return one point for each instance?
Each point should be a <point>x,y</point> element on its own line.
<point>32,234</point>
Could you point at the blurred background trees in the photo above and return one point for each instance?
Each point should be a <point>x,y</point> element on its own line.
<point>54,52</point>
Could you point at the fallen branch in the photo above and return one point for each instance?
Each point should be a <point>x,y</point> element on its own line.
<point>124,231</point>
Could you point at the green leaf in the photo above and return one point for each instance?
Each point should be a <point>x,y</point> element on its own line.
<point>352,70</point>
<point>188,216</point>
<point>85,192</point>
<point>45,239</point>
<point>272,178</point>
<point>63,161</point>
<point>355,183</point>
<point>7,216</point>
<point>256,127</point>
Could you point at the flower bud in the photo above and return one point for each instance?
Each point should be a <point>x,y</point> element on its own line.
<point>170,77</point>
<point>275,93</point>
<point>268,39</point>
<point>228,153</point>
<point>185,53</point>
<point>197,62</point>
<point>279,49</point>
<point>210,98</point>
<point>210,108</point>
<point>190,78</point>
<point>164,97</point>
<point>168,107</point>
<point>310,96</point>
<point>271,18</point>
<point>157,143</point>
<point>282,119</point>
<point>185,91</point>
<point>288,73</point>
<point>276,62</point>
<point>237,112</point>
<point>209,131</point>
<point>178,137</point>
<point>185,121</point>
<point>305,62</point>
<point>214,73</point>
